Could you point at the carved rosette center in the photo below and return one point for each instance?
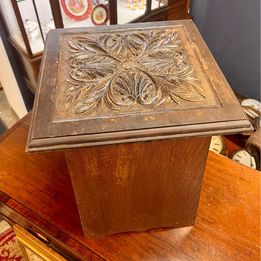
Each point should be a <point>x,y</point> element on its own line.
<point>127,65</point>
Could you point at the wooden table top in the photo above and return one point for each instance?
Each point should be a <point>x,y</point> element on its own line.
<point>38,187</point>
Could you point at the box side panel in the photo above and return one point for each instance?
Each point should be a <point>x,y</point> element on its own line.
<point>138,186</point>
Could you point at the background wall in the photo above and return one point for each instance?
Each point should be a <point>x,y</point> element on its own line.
<point>231,29</point>
<point>10,85</point>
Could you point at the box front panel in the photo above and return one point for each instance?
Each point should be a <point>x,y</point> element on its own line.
<point>138,186</point>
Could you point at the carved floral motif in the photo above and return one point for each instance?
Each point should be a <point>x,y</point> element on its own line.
<point>126,69</point>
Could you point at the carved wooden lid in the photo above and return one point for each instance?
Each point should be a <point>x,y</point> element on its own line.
<point>117,84</point>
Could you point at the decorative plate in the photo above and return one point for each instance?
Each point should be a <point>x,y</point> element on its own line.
<point>77,10</point>
<point>100,14</point>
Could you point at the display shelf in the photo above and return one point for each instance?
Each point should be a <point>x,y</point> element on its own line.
<point>155,4</point>
<point>127,14</point>
<point>11,23</point>
<point>37,44</point>
<point>71,20</point>
<point>37,18</point>
<point>69,23</point>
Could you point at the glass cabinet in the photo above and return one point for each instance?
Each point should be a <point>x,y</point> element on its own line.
<point>84,13</point>
<point>136,10</point>
<point>27,22</point>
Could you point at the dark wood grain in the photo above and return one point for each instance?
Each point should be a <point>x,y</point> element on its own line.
<point>160,14</point>
<point>179,9</point>
<point>138,186</point>
<point>37,193</point>
<point>219,113</point>
<point>57,14</point>
<point>22,28</point>
<point>33,164</point>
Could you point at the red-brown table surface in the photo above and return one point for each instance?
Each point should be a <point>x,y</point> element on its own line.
<point>37,187</point>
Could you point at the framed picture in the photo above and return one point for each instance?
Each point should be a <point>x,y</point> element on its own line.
<point>32,248</point>
<point>77,10</point>
<point>100,14</point>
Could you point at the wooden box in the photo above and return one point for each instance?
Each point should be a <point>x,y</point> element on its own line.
<point>133,107</point>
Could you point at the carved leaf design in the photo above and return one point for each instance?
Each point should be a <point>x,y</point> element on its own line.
<point>132,87</point>
<point>162,40</point>
<point>124,45</point>
<point>128,69</point>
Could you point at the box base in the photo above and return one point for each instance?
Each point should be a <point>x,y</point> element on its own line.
<point>138,186</point>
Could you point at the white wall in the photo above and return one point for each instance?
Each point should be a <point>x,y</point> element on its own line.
<point>10,85</point>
